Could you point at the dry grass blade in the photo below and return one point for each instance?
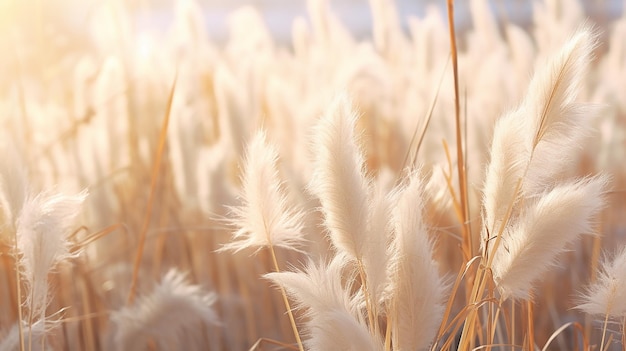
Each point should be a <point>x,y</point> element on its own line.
<point>422,133</point>
<point>153,183</point>
<point>468,249</point>
<point>258,343</point>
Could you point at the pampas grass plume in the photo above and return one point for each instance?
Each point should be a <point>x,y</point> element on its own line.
<point>509,159</point>
<point>43,224</point>
<point>556,123</point>
<point>531,245</point>
<point>607,296</point>
<point>172,311</point>
<point>38,330</point>
<point>538,140</point>
<point>332,315</point>
<point>339,179</point>
<point>534,144</point>
<point>417,291</point>
<point>264,218</point>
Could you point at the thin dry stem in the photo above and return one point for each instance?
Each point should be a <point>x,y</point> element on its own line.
<point>388,332</point>
<point>604,327</point>
<point>258,343</point>
<point>153,184</point>
<point>18,288</point>
<point>455,287</point>
<point>530,333</point>
<point>448,176</point>
<point>467,239</point>
<point>292,320</point>
<point>429,115</point>
<point>369,304</point>
<point>512,323</point>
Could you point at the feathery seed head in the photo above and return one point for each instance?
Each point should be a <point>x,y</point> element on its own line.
<point>264,218</point>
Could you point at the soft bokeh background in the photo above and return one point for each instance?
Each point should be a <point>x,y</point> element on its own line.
<point>84,87</point>
<point>156,15</point>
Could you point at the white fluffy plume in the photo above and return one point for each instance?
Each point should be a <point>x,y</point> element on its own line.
<point>264,218</point>
<point>333,319</point>
<point>557,124</point>
<point>532,151</point>
<point>43,224</point>
<point>174,310</point>
<point>417,291</point>
<point>38,330</point>
<point>530,246</point>
<point>356,214</point>
<point>339,179</point>
<point>537,142</point>
<point>607,296</point>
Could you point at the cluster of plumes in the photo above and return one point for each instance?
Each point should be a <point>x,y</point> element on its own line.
<point>391,229</point>
<point>42,225</point>
<point>532,209</point>
<point>382,264</point>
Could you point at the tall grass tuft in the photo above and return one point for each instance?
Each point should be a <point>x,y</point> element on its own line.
<point>531,210</point>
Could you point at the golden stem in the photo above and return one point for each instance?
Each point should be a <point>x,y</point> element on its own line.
<point>286,301</point>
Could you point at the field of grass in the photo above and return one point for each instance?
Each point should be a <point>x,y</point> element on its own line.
<point>424,188</point>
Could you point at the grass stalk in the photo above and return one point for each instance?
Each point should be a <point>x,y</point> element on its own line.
<point>455,288</point>
<point>530,333</point>
<point>623,332</point>
<point>18,288</point>
<point>30,320</point>
<point>388,334</point>
<point>153,184</point>
<point>604,327</point>
<point>369,304</point>
<point>455,202</point>
<point>422,133</point>
<point>478,288</point>
<point>467,240</point>
<point>260,341</point>
<point>292,320</point>
<point>512,325</point>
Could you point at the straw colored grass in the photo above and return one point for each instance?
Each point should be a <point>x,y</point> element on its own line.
<point>447,181</point>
